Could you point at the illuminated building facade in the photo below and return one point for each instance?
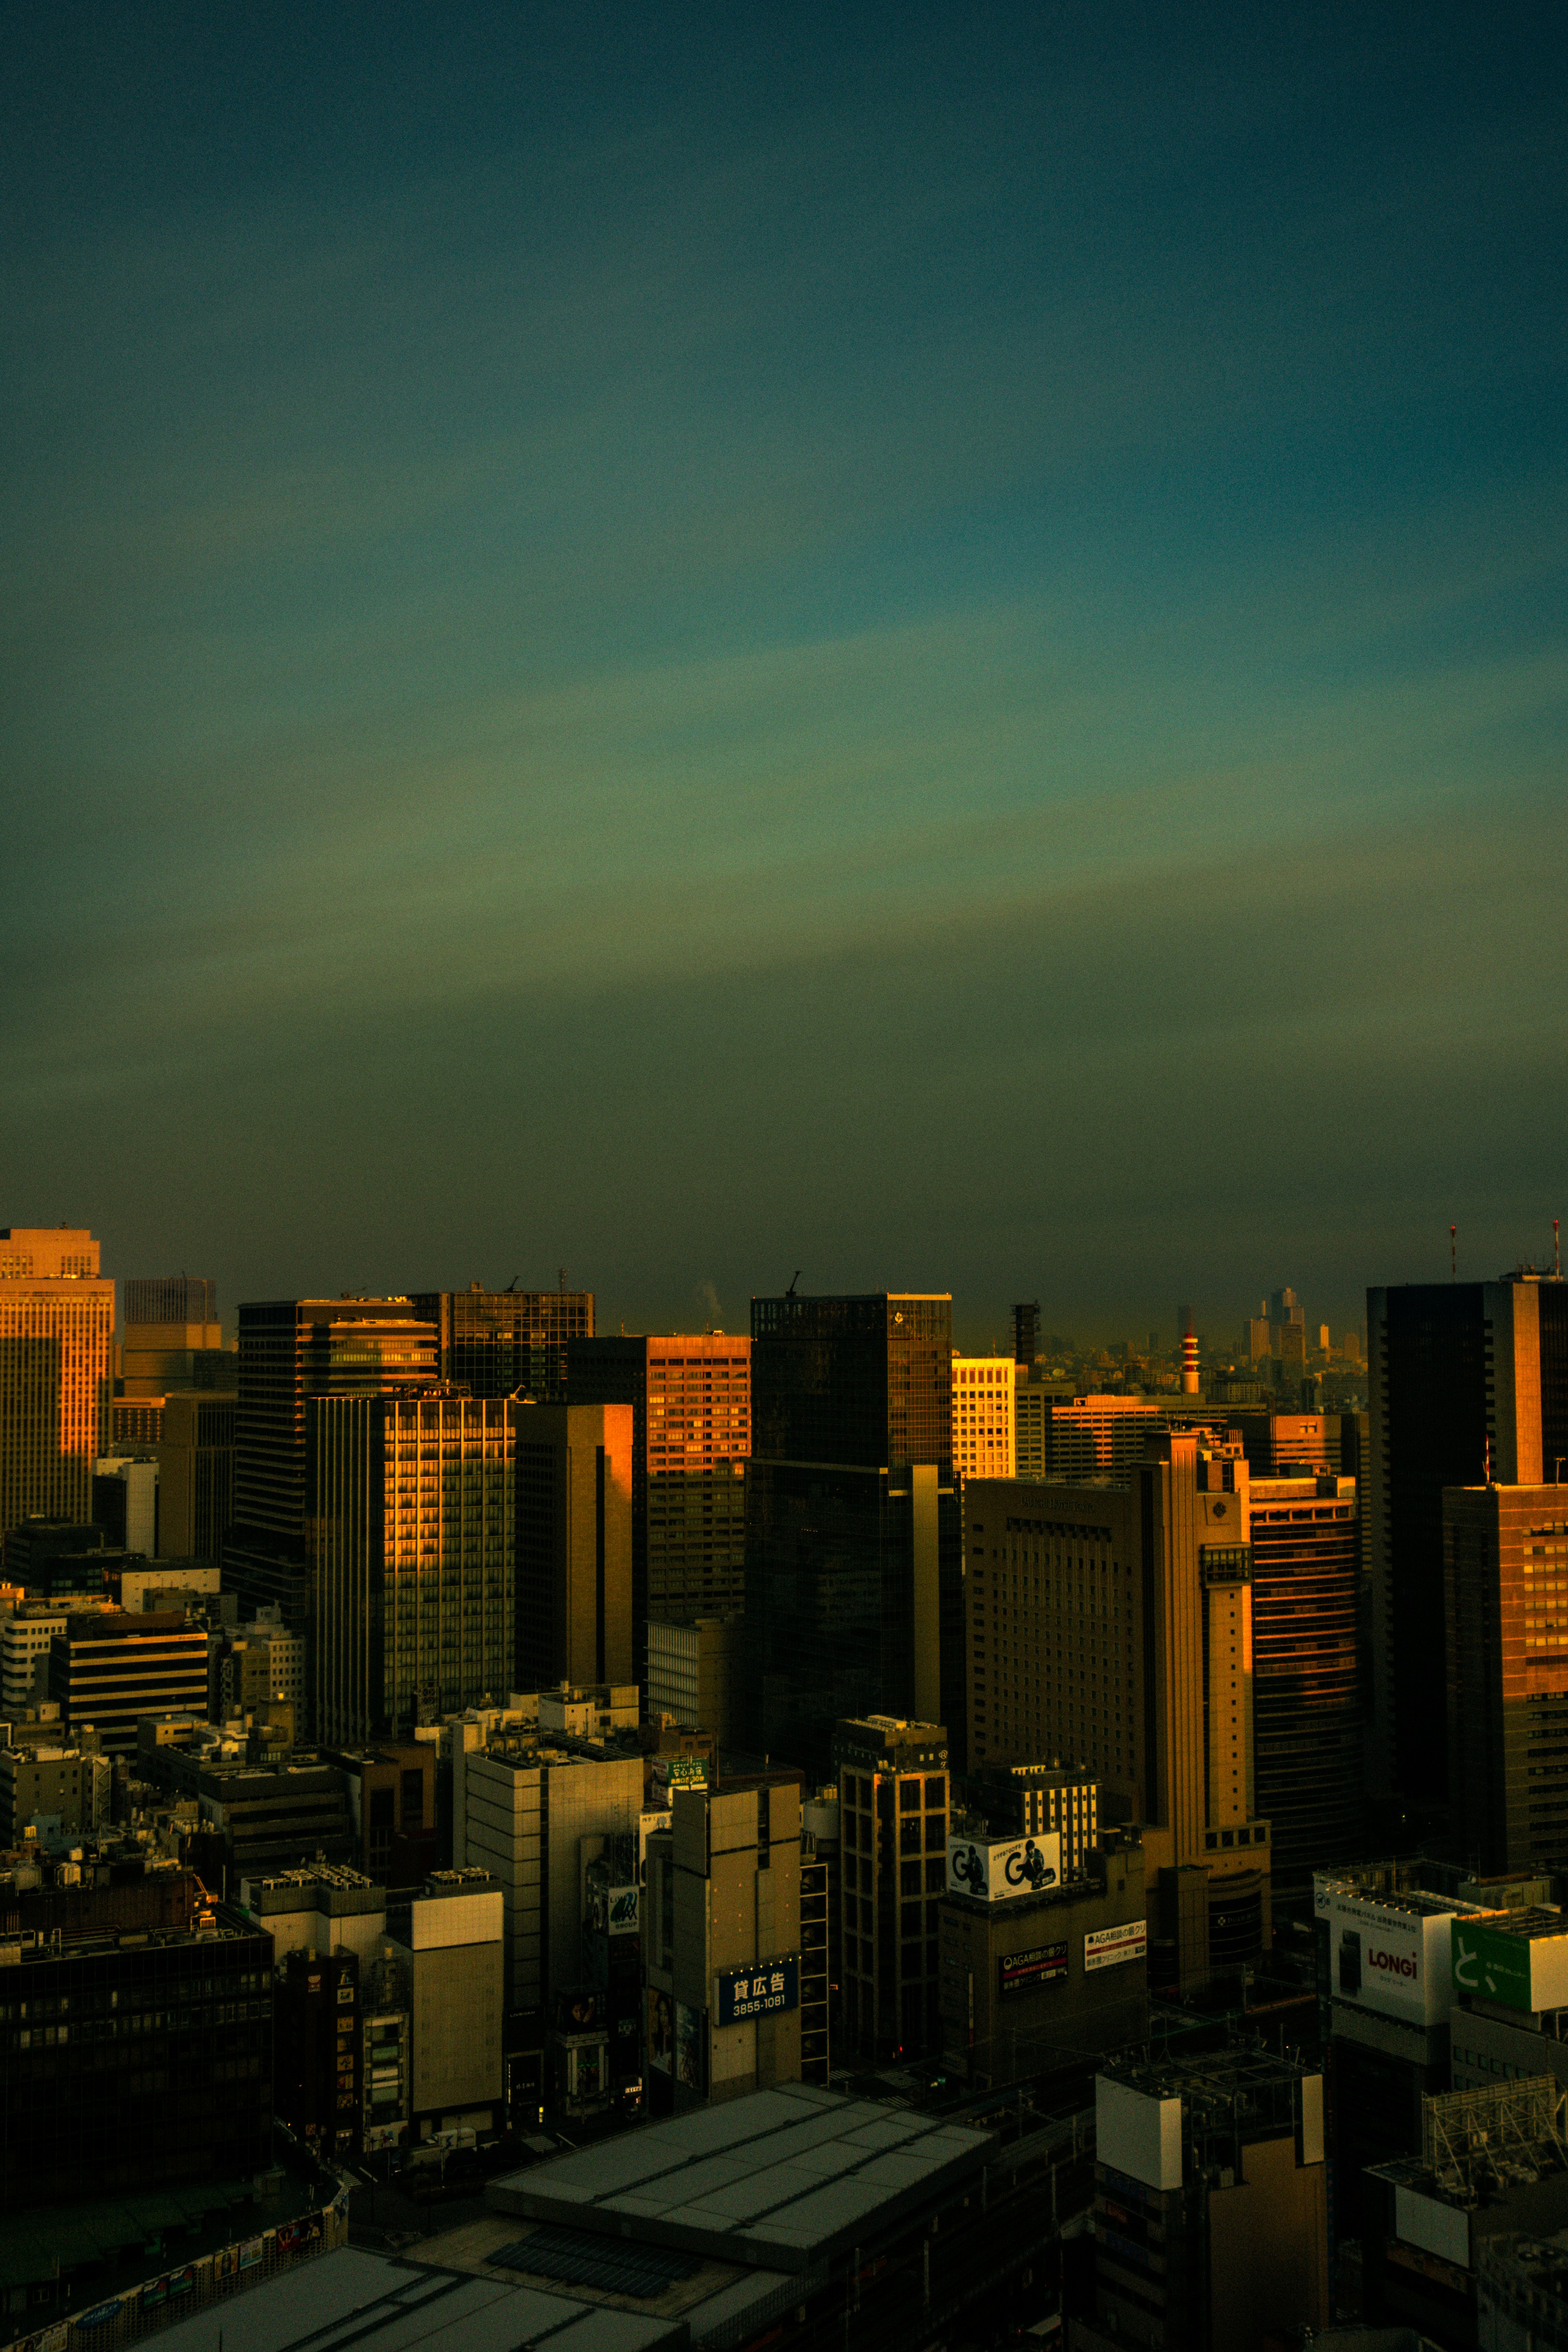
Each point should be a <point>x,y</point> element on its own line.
<point>982,1428</point>
<point>1505,1579</point>
<point>57,1337</point>
<point>501,1343</point>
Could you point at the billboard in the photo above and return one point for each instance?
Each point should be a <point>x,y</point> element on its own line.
<point>1022,1972</point>
<point>1107,1947</point>
<point>771,1986</point>
<point>692,2048</point>
<point>1396,1959</point>
<point>660,2031</point>
<point>996,1870</point>
<point>623,1908</point>
<point>1522,1972</point>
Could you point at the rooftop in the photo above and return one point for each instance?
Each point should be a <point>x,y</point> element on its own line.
<point>781,2179</point>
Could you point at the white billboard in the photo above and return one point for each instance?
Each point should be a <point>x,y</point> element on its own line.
<point>1396,1961</point>
<point>1107,1947</point>
<point>996,1870</point>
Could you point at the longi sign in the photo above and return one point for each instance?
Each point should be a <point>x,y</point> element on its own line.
<point>1384,1958</point>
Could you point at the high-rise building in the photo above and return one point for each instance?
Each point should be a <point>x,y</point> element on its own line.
<point>893,1814</point>
<point>854,1558</point>
<point>1505,1575</point>
<point>502,1343</point>
<point>413,1547</point>
<point>195,1476</point>
<point>983,1445</point>
<point>448,1942</point>
<point>291,1352</point>
<point>56,1336</point>
<point>1468,1380</point>
<point>695,1674</point>
<point>1115,1625</point>
<point>1308,1725</point>
<point>125,1501</point>
<point>1096,1437</point>
<point>1026,1332</point>
<point>690,1395</point>
<point>170,1298</point>
<point>573,1545</point>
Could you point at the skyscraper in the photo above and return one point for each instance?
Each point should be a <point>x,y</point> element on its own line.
<point>690,1395</point>
<point>1505,1562</point>
<point>291,1350</point>
<point>854,1563</point>
<point>1467,1380</point>
<point>573,1545</point>
<point>57,1333</point>
<point>983,1439</point>
<point>501,1343</point>
<point>170,1298</point>
<point>1306,1689</point>
<point>413,1534</point>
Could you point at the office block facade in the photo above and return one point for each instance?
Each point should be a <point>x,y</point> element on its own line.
<point>56,1334</point>
<point>1466,1380</point>
<point>1306,1711</point>
<point>983,1435</point>
<point>448,1940</point>
<point>413,1545</point>
<point>690,1395</point>
<point>125,1502</point>
<point>156,1358</point>
<point>293,1352</point>
<point>696,1676</point>
<point>506,1343</point>
<point>109,1669</point>
<point>722,1944</point>
<point>1505,1576</point>
<point>893,1813</point>
<point>1115,1625</point>
<point>196,1475</point>
<point>170,1298</point>
<point>854,1564</point>
<point>573,1545</point>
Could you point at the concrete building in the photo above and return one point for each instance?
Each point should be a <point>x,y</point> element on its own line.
<point>107,1670</point>
<point>1053,1799</point>
<point>125,1501</point>
<point>293,1351</point>
<point>269,1818</point>
<point>1096,1437</point>
<point>893,1810</point>
<point>26,1636</point>
<point>854,1549</point>
<point>1307,1712</point>
<point>57,1329</point>
<point>412,1546</point>
<point>262,1662</point>
<point>1034,1981</point>
<point>391,1788</point>
<point>722,1946</point>
<point>450,1941</point>
<point>1505,1587</point>
<point>690,1395</point>
<point>170,1298</point>
<point>1493,2164</point>
<point>983,1434</point>
<point>696,1676</point>
<point>341,2053</point>
<point>1114,1624</point>
<point>158,1357</point>
<point>1211,2203</point>
<point>44,1779</point>
<point>1468,1381</point>
<point>196,1472</point>
<point>1033,1397</point>
<point>507,1343</point>
<point>573,1545</point>
<point>1510,2017</point>
<point>522,1806</point>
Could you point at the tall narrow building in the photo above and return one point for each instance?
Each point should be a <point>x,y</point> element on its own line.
<point>291,1351</point>
<point>573,1545</point>
<point>1468,1380</point>
<point>412,1544</point>
<point>854,1561</point>
<point>501,1343</point>
<point>691,1398</point>
<point>984,1440</point>
<point>1305,1687</point>
<point>1505,1562</point>
<point>57,1337</point>
<point>894,1815</point>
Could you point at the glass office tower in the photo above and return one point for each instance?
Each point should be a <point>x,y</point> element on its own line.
<point>501,1343</point>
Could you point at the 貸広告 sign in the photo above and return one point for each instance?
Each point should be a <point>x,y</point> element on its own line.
<point>771,1986</point>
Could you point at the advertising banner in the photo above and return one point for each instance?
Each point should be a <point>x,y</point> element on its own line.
<point>758,1992</point>
<point>1107,1947</point>
<point>1022,1972</point>
<point>1395,1961</point>
<point>624,1909</point>
<point>660,2031</point>
<point>1522,1972</point>
<point>692,2048</point>
<point>998,1870</point>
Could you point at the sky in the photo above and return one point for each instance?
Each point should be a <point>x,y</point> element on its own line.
<point>923,645</point>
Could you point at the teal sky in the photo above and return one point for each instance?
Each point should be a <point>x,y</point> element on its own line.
<point>927,645</point>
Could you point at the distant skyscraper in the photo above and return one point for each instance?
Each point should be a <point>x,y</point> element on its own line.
<point>1026,1330</point>
<point>984,1438</point>
<point>170,1298</point>
<point>501,1343</point>
<point>1461,1376</point>
<point>1505,1559</point>
<point>573,1545</point>
<point>854,1559</point>
<point>57,1332</point>
<point>690,1395</point>
<point>291,1350</point>
<point>413,1540</point>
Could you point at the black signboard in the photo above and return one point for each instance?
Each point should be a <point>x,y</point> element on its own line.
<point>1022,1972</point>
<point>771,1986</point>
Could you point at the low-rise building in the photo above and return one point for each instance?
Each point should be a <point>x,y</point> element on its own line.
<point>107,1669</point>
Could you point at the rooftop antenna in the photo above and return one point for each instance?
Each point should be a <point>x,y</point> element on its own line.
<point>513,1283</point>
<point>1453,1253</point>
<point>562,1271</point>
<point>1556,1252</point>
<point>793,1280</point>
